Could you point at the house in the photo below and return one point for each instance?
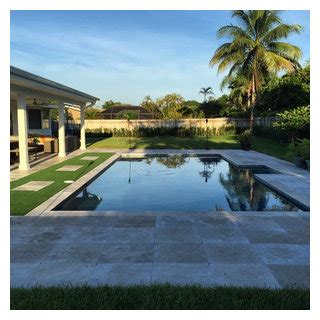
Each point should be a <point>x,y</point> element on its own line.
<point>32,99</point>
<point>73,112</point>
<point>117,111</point>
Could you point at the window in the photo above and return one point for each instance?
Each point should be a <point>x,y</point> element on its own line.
<point>34,119</point>
<point>46,119</point>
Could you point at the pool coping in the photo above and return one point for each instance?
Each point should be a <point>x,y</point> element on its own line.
<point>46,208</point>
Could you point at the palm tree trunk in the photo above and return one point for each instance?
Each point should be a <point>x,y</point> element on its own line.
<point>253,101</point>
<point>248,98</point>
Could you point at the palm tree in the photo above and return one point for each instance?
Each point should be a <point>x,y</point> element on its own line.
<point>239,90</point>
<point>255,49</point>
<point>206,92</point>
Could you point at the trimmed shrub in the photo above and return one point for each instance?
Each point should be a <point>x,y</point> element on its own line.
<point>245,139</point>
<point>162,131</point>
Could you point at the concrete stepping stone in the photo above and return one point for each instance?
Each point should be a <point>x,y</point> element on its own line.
<point>69,168</point>
<point>90,158</point>
<point>33,186</point>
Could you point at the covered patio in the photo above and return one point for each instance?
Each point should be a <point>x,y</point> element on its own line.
<point>32,99</point>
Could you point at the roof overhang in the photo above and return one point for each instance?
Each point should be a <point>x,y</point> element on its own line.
<point>31,85</point>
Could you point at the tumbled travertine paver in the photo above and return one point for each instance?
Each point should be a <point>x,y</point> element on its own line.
<point>236,253</point>
<point>90,158</point>
<point>30,252</point>
<point>175,221</point>
<point>183,273</point>
<point>121,274</point>
<point>248,275</point>
<point>290,254</point>
<point>127,252</point>
<point>177,234</point>
<point>221,233</point>
<point>62,272</point>
<point>20,273</point>
<point>131,235</point>
<point>207,249</point>
<point>292,275</point>
<point>86,235</point>
<point>33,186</point>
<point>265,230</point>
<point>76,252</point>
<point>69,168</point>
<point>186,252</point>
<point>133,221</point>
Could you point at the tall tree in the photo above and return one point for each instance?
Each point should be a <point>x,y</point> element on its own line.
<point>206,92</point>
<point>255,49</point>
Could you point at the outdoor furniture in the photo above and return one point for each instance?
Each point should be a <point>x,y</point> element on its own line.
<point>35,154</point>
<point>51,146</point>
<point>72,143</point>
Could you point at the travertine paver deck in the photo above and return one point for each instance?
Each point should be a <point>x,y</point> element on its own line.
<point>207,249</point>
<point>89,158</point>
<point>33,186</point>
<point>69,168</point>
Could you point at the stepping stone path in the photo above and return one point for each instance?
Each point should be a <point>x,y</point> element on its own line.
<point>69,168</point>
<point>33,186</point>
<point>89,158</point>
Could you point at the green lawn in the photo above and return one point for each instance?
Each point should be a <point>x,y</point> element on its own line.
<point>21,202</point>
<point>166,142</point>
<point>261,144</point>
<point>271,147</point>
<point>158,297</point>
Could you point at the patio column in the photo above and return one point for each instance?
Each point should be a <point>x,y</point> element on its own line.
<point>62,135</point>
<point>22,132</point>
<point>82,129</point>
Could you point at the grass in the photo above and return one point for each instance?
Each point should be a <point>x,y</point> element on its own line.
<point>271,147</point>
<point>165,142</point>
<point>261,144</point>
<point>158,297</point>
<point>21,202</point>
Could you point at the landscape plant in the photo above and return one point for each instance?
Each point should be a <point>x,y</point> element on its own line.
<point>295,123</point>
<point>245,139</point>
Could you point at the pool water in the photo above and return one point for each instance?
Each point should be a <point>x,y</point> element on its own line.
<point>177,183</point>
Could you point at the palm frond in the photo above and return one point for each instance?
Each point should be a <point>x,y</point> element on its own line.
<point>232,31</point>
<point>281,31</point>
<point>289,49</point>
<point>245,20</point>
<point>277,63</point>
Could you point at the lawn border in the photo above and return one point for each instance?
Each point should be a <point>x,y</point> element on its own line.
<point>159,297</point>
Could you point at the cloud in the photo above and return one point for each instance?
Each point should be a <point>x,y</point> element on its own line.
<point>118,68</point>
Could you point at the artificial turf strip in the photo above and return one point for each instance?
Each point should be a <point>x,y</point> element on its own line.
<point>21,202</point>
<point>158,297</point>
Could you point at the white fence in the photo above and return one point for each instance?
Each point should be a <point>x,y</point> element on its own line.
<point>217,123</point>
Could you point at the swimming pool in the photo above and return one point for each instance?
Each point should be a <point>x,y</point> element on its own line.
<point>177,183</point>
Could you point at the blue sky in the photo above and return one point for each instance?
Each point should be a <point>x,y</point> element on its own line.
<point>126,55</point>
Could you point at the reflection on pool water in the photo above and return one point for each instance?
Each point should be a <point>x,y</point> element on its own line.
<point>177,183</point>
